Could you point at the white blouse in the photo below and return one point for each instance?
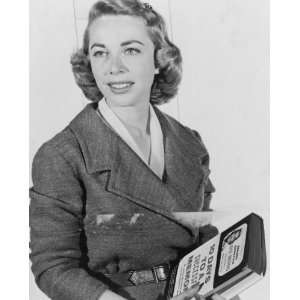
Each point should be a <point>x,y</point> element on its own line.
<point>156,159</point>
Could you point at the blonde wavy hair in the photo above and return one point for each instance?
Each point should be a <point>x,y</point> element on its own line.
<point>167,56</point>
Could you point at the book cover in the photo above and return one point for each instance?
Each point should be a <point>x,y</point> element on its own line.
<point>226,264</point>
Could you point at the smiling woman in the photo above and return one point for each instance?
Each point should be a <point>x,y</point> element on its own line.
<point>122,60</point>
<point>106,189</point>
<point>166,56</point>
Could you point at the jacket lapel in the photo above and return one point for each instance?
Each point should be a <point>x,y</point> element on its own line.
<point>104,150</point>
<point>132,179</point>
<point>183,164</point>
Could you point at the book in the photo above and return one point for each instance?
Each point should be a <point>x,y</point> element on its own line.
<point>227,264</point>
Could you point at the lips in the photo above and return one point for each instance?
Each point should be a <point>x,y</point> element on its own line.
<point>120,87</point>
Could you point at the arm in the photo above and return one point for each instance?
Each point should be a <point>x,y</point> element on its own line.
<point>56,230</point>
<point>209,231</point>
<point>209,188</point>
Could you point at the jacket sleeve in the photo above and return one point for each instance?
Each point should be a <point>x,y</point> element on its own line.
<point>209,188</point>
<point>56,207</point>
<point>208,231</point>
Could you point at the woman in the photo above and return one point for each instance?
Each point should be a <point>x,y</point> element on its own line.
<point>105,189</point>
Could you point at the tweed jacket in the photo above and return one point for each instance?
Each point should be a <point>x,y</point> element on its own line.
<point>97,210</point>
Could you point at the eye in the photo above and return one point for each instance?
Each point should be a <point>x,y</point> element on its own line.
<point>132,51</point>
<point>100,53</point>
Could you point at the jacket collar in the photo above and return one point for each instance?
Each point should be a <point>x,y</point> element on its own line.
<point>103,149</point>
<point>95,139</point>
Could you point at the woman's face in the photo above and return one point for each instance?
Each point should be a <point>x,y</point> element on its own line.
<point>122,59</point>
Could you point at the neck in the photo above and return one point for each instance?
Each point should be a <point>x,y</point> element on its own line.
<point>134,117</point>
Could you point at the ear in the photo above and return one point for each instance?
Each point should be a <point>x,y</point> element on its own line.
<point>156,71</point>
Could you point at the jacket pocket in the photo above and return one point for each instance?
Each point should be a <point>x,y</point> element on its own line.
<point>117,224</point>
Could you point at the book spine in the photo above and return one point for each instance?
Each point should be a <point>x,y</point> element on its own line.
<point>171,283</point>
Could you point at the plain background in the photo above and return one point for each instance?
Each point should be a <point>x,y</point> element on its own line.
<point>224,93</point>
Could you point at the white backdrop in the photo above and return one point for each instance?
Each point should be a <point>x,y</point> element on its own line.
<point>224,93</point>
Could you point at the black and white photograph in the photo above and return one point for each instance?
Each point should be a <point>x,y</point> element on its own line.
<point>149,150</point>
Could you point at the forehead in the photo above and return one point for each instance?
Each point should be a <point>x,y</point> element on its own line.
<point>118,28</point>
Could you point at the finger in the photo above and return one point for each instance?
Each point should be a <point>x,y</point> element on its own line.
<point>188,294</point>
<point>217,297</point>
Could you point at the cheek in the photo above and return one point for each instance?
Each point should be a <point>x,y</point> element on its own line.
<point>97,71</point>
<point>148,75</point>
<point>146,70</point>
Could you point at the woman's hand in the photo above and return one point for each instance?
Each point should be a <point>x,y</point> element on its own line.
<point>192,294</point>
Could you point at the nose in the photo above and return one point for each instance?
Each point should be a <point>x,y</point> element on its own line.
<point>116,65</point>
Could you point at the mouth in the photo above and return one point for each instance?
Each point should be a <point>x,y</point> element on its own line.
<point>120,87</point>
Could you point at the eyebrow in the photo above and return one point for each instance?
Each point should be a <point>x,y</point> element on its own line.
<point>131,42</point>
<point>122,44</point>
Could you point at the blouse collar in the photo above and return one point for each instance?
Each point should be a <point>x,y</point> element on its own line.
<point>156,161</point>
